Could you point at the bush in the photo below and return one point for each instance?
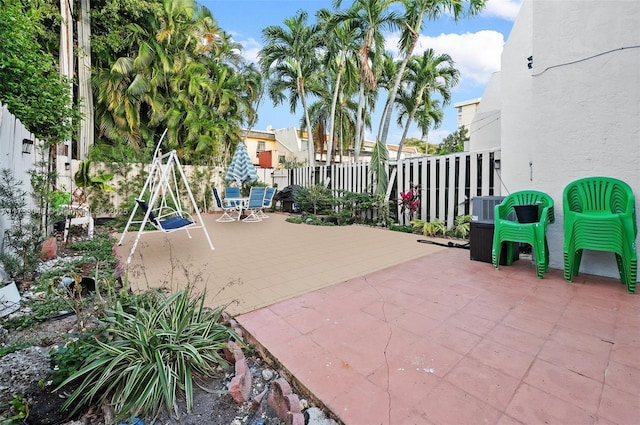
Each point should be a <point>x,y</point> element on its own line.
<point>315,199</point>
<point>151,352</point>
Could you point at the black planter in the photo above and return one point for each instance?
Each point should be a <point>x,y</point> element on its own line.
<point>527,213</point>
<point>59,225</point>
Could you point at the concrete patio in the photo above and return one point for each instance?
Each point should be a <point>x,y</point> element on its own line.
<point>384,330</point>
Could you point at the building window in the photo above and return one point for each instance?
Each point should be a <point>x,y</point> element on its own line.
<point>261,147</point>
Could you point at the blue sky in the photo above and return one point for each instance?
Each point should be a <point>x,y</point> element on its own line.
<point>475,44</point>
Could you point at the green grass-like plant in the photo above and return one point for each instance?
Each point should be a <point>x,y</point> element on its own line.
<point>151,353</point>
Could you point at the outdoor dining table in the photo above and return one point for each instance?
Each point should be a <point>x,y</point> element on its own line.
<point>240,202</point>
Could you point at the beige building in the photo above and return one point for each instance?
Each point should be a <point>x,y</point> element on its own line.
<point>269,148</point>
<point>466,111</point>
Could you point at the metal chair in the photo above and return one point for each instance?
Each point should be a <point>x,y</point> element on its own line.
<point>256,202</point>
<point>268,198</point>
<point>228,209</point>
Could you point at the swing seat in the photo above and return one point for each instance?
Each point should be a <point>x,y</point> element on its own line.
<point>166,225</point>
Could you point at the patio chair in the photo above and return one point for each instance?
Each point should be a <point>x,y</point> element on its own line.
<point>232,192</point>
<point>230,212</point>
<point>600,215</point>
<point>256,203</point>
<point>268,199</point>
<point>509,232</point>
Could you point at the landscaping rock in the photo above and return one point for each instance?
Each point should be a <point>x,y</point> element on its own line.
<point>316,417</point>
<point>284,403</point>
<point>240,386</point>
<point>267,374</point>
<point>49,249</point>
<point>21,371</point>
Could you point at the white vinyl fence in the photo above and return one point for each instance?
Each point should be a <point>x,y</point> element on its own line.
<point>448,183</point>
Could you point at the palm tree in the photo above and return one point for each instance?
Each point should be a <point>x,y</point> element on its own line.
<point>288,60</point>
<point>415,12</point>
<point>341,44</point>
<point>180,72</point>
<point>426,74</point>
<point>372,17</point>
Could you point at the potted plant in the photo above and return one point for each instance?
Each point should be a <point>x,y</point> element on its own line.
<point>58,199</point>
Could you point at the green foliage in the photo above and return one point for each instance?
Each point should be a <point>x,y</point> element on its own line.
<point>436,227</point>
<point>31,86</point>
<point>296,220</point>
<point>358,207</point>
<point>84,179</point>
<point>379,160</point>
<point>421,146</point>
<point>315,199</point>
<point>461,227</point>
<point>14,346</point>
<point>454,142</point>
<point>23,239</point>
<point>20,409</point>
<point>99,248</point>
<point>59,198</point>
<point>289,164</point>
<point>69,358</point>
<point>401,228</point>
<point>153,349</point>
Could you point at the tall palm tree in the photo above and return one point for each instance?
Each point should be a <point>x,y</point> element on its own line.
<point>341,48</point>
<point>372,17</point>
<point>427,74</point>
<point>427,115</point>
<point>289,60</point>
<point>415,13</point>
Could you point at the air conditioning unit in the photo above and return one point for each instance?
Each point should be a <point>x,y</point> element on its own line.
<point>483,208</point>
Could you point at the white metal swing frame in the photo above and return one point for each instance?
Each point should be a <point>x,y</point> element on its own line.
<point>159,182</point>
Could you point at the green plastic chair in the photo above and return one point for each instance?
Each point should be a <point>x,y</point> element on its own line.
<point>508,231</point>
<point>600,215</point>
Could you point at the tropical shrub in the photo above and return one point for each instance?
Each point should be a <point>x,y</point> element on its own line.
<point>436,227</point>
<point>410,200</point>
<point>150,353</point>
<point>461,227</point>
<point>315,199</point>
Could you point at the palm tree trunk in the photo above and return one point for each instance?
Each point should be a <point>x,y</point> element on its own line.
<point>85,136</point>
<point>396,87</point>
<point>359,124</point>
<point>406,130</point>
<point>334,101</point>
<point>310,145</point>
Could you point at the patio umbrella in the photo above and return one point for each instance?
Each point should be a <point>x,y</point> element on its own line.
<point>241,169</point>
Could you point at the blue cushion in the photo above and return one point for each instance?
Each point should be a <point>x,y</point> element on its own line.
<point>174,223</point>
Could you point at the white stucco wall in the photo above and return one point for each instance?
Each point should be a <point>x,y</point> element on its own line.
<point>484,130</point>
<point>576,113</point>
<point>11,157</point>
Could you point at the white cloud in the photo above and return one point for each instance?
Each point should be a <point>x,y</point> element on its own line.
<point>250,49</point>
<point>476,55</point>
<point>506,9</point>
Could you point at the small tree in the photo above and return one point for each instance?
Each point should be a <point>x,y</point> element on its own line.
<point>23,240</point>
<point>454,142</point>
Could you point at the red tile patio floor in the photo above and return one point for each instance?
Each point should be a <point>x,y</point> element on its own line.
<point>445,340</point>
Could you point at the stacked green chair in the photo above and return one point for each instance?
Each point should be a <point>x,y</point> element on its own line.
<point>600,215</point>
<point>509,232</point>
